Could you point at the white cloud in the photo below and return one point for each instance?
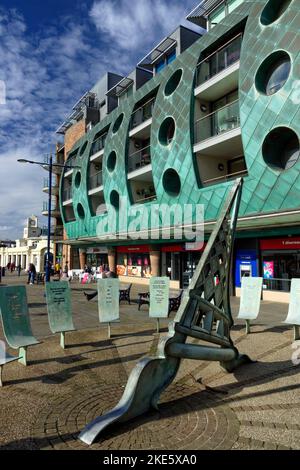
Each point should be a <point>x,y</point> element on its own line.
<point>135,25</point>
<point>47,70</point>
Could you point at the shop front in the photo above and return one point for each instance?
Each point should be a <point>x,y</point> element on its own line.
<point>179,261</point>
<point>96,257</point>
<point>280,262</point>
<point>134,261</point>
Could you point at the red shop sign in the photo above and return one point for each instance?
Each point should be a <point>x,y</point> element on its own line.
<point>172,248</point>
<point>133,249</point>
<point>291,243</point>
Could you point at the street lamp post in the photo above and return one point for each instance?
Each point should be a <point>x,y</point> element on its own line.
<point>50,164</point>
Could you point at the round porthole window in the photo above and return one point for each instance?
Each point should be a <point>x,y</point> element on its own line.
<point>281,148</point>
<point>167,131</point>
<point>118,123</point>
<point>111,161</point>
<point>273,10</point>
<point>83,147</point>
<point>77,179</point>
<point>273,73</point>
<point>173,82</point>
<point>171,182</point>
<point>80,211</point>
<point>115,199</point>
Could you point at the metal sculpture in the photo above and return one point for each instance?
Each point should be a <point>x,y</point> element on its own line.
<point>204,314</point>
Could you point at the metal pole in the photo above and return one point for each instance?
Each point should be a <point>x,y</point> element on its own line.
<point>49,221</point>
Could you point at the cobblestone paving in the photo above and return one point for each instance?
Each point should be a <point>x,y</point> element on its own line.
<point>46,405</point>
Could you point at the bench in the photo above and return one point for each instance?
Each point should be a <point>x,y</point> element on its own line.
<point>5,358</point>
<point>125,294</point>
<point>174,302</point>
<point>15,320</point>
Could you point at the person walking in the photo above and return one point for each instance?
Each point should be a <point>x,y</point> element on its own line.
<point>31,274</point>
<point>19,269</point>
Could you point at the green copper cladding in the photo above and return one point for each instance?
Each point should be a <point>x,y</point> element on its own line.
<point>266,189</point>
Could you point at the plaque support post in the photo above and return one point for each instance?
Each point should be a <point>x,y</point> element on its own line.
<point>1,372</point>
<point>296,332</point>
<point>157,326</point>
<point>23,356</point>
<point>63,340</point>
<point>248,329</point>
<point>109,330</point>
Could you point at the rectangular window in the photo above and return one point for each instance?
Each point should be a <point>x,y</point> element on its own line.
<point>160,66</point>
<point>217,15</point>
<point>232,4</point>
<point>171,57</point>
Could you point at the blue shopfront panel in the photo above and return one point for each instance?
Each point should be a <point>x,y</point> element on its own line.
<point>246,264</point>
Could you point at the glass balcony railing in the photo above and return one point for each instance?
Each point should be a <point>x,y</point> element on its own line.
<point>223,120</point>
<point>142,114</point>
<point>219,60</point>
<point>96,180</point>
<point>70,163</point>
<point>139,159</point>
<point>67,194</point>
<point>46,183</point>
<point>98,144</point>
<point>54,208</point>
<point>54,231</point>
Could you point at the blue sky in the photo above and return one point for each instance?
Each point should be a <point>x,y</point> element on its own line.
<point>51,52</point>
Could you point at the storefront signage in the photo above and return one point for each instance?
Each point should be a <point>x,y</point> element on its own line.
<point>95,251</point>
<point>293,317</point>
<point>290,243</point>
<point>250,298</point>
<point>268,269</point>
<point>108,300</point>
<point>159,297</point>
<point>133,249</point>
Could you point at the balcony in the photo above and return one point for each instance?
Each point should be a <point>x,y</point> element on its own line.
<point>217,128</point>
<point>220,60</point>
<point>96,181</point>
<point>139,159</point>
<point>218,73</point>
<point>142,117</point>
<point>224,179</point>
<point>97,146</point>
<point>54,189</point>
<point>55,232</point>
<point>55,212</point>
<point>70,163</point>
<point>57,160</point>
<point>67,196</point>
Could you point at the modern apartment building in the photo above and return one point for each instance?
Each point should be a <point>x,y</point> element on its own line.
<point>214,107</point>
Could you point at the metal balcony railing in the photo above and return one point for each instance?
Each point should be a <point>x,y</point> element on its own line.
<point>146,199</point>
<point>142,114</point>
<point>218,122</point>
<point>96,180</point>
<point>70,162</point>
<point>224,178</point>
<point>98,144</point>
<point>139,159</point>
<point>67,194</point>
<point>54,208</point>
<point>220,60</point>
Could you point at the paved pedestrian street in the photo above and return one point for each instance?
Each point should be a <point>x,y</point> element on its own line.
<point>46,404</point>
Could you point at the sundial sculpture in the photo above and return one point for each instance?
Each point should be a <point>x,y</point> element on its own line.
<point>204,314</point>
